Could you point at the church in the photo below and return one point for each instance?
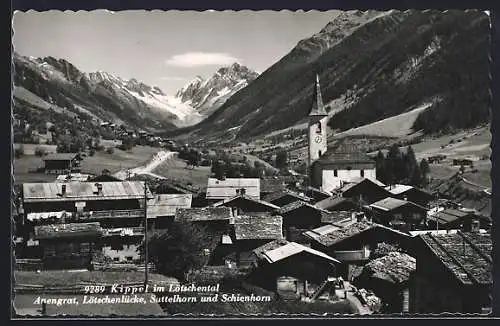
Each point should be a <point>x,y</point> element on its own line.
<point>332,167</point>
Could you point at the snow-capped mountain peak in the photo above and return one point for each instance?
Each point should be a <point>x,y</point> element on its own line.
<point>206,95</point>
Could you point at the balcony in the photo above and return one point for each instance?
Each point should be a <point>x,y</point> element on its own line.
<point>127,213</point>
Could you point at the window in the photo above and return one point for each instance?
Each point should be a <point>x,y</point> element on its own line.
<point>319,153</point>
<point>129,258</point>
<point>335,173</point>
<point>318,128</point>
<point>362,172</point>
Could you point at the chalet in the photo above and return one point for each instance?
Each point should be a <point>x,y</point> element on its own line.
<point>398,213</point>
<point>218,190</point>
<point>290,269</point>
<point>161,209</point>
<point>251,232</point>
<point>453,274</point>
<point>316,194</point>
<point>242,204</point>
<point>113,204</point>
<point>411,193</point>
<point>61,163</point>
<point>67,245</point>
<point>285,197</point>
<point>337,203</point>
<point>388,277</point>
<point>300,216</point>
<point>457,219</point>
<point>364,191</point>
<point>353,243</point>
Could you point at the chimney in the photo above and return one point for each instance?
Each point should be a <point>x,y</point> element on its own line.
<point>99,188</point>
<point>243,191</point>
<point>63,190</point>
<point>475,226</point>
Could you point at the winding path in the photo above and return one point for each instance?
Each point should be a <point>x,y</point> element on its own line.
<point>157,159</point>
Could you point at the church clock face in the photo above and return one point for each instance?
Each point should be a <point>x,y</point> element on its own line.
<point>318,139</point>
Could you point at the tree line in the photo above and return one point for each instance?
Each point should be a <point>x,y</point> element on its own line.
<point>401,167</point>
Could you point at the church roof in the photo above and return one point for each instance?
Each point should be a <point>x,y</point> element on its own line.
<point>317,106</point>
<point>345,154</point>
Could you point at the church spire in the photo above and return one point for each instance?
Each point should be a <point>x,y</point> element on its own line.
<point>318,108</point>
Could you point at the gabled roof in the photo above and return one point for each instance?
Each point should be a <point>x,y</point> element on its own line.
<point>359,180</point>
<point>229,187</point>
<point>284,193</point>
<point>259,251</point>
<point>336,217</point>
<point>60,157</point>
<point>332,202</point>
<point>317,193</point>
<point>334,235</point>
<point>247,198</point>
<point>69,230</point>
<point>298,204</point>
<point>258,227</point>
<point>80,191</point>
<point>389,204</point>
<point>399,189</point>
<point>322,230</point>
<point>448,215</point>
<point>467,256</point>
<point>292,249</point>
<point>167,204</point>
<point>345,154</point>
<point>201,214</point>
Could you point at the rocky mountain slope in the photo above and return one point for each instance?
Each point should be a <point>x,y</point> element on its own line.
<point>207,95</point>
<point>372,65</point>
<point>104,96</point>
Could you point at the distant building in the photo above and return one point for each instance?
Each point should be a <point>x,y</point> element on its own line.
<point>457,219</point>
<point>364,191</point>
<point>397,213</point>
<point>218,190</point>
<point>61,163</point>
<point>454,273</point>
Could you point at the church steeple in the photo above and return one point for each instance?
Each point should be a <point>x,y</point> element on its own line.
<point>318,109</point>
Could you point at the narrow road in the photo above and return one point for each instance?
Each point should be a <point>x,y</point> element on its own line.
<point>361,309</point>
<point>157,159</point>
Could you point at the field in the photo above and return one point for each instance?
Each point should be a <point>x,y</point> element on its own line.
<point>396,126</point>
<point>119,160</point>
<point>139,155</point>
<point>176,169</point>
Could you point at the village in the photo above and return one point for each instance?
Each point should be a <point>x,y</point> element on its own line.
<point>339,239</point>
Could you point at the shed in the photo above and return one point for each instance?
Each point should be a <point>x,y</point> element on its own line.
<point>60,162</point>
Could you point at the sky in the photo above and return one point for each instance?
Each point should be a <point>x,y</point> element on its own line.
<point>164,48</point>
